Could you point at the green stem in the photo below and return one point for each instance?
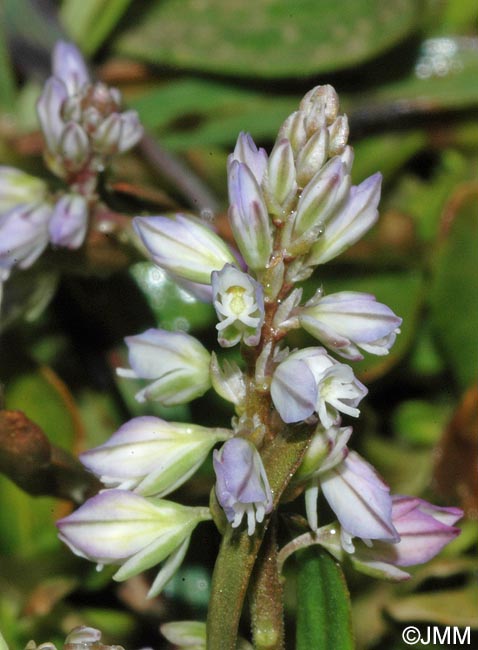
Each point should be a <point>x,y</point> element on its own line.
<point>238,551</point>
<point>230,580</point>
<point>266,596</point>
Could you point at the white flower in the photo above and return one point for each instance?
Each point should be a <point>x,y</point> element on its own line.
<point>309,381</point>
<point>177,362</point>
<point>239,304</point>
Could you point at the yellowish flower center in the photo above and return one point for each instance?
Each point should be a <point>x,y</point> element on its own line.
<point>237,303</point>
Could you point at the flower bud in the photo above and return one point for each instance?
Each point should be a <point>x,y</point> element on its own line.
<point>69,66</point>
<point>49,111</point>
<point>327,448</point>
<point>349,223</point>
<point>17,187</point>
<point>348,320</point>
<point>228,380</point>
<point>323,195</point>
<point>119,527</point>
<point>338,135</point>
<point>152,457</point>
<point>74,146</point>
<point>294,130</point>
<point>185,635</point>
<point>107,135</point>
<point>242,485</point>
<point>280,181</point>
<point>247,152</point>
<point>309,381</point>
<point>69,221</point>
<point>239,303</point>
<point>248,216</point>
<point>184,246</point>
<point>312,156</point>
<point>177,362</point>
<point>320,106</point>
<point>23,235</point>
<point>131,131</point>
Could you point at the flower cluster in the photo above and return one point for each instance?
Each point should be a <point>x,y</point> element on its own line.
<point>289,212</point>
<point>82,127</point>
<point>81,120</point>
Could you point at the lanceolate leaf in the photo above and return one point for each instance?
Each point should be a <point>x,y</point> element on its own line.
<point>323,604</point>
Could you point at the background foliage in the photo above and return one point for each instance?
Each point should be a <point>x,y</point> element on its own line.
<point>198,73</point>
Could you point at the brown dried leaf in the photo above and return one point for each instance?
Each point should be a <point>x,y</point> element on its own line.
<point>455,473</point>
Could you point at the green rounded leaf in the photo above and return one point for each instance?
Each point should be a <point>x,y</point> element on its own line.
<point>454,293</point>
<point>269,38</point>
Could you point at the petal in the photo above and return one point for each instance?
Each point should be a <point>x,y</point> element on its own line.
<point>248,216</point>
<point>360,499</point>
<point>294,390</point>
<point>350,222</point>
<point>183,246</point>
<point>111,526</point>
<point>69,66</point>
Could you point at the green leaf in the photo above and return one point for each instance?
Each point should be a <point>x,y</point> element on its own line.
<point>385,152</point>
<point>323,603</point>
<point>191,112</point>
<point>7,84</point>
<point>173,307</point>
<point>89,22</point>
<point>447,607</point>
<point>443,78</point>
<point>269,38</point>
<point>43,397</point>
<point>420,422</point>
<point>454,291</point>
<point>26,19</point>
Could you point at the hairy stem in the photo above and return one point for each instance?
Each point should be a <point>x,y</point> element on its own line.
<point>266,592</point>
<point>239,551</point>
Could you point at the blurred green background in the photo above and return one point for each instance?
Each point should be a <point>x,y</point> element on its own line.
<point>198,72</point>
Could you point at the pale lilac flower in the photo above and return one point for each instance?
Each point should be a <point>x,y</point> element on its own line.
<point>242,486</point>
<point>183,246</point>
<point>349,223</point>
<point>280,185</point>
<point>246,151</point>
<point>23,235</point>
<point>177,362</point>
<point>248,216</point>
<point>69,221</point>
<point>18,187</point>
<point>309,381</point>
<point>228,380</point>
<point>323,195</point>
<point>120,527</point>
<point>361,501</point>
<point>49,111</point>
<point>81,120</point>
<point>239,304</point>
<point>326,449</point>
<point>349,320</point>
<point>131,131</point>
<point>151,456</point>
<point>69,66</point>
<point>74,146</point>
<point>424,530</point>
